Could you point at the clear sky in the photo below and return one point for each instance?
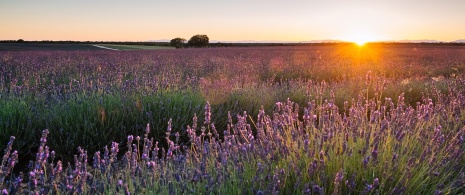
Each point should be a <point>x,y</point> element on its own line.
<point>238,20</point>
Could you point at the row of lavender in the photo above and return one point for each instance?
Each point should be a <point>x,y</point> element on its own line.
<point>93,98</point>
<point>372,147</point>
<point>56,71</point>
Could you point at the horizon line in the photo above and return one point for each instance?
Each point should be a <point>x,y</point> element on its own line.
<point>262,41</point>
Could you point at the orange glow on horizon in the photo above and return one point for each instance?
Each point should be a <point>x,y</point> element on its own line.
<point>361,37</point>
<point>360,43</point>
<point>239,21</point>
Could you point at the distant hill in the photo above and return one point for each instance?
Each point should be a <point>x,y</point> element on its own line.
<point>251,41</point>
<point>419,41</point>
<point>322,41</point>
<point>316,41</point>
<point>275,41</point>
<point>260,41</point>
<point>160,40</point>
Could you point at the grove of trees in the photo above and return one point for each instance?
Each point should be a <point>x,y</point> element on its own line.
<point>198,41</point>
<point>177,42</point>
<point>195,41</point>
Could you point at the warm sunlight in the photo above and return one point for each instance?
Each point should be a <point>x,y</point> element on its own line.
<point>360,42</point>
<point>360,38</point>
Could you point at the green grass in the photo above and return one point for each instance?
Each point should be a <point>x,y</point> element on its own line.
<point>135,47</point>
<point>94,120</point>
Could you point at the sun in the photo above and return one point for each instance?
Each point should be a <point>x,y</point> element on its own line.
<point>360,42</point>
<point>361,38</point>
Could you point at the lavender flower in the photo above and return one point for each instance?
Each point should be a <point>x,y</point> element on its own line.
<point>207,113</point>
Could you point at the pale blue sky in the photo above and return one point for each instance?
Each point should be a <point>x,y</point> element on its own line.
<point>291,20</point>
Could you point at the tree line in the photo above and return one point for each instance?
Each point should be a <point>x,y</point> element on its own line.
<point>194,41</point>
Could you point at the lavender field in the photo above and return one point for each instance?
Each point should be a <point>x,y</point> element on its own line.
<point>327,119</point>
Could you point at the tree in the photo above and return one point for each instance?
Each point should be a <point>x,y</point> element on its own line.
<point>198,41</point>
<point>20,40</point>
<point>177,42</point>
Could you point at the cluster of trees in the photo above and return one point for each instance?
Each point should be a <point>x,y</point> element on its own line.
<point>194,41</point>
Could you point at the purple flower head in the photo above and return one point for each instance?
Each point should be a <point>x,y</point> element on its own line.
<point>339,177</point>
<point>369,188</point>
<point>12,138</point>
<point>366,161</point>
<point>208,113</point>
<point>374,154</point>
<point>368,78</point>
<point>316,189</point>
<point>147,129</point>
<point>376,182</point>
<point>438,192</point>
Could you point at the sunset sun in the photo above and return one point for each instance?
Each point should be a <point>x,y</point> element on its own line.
<point>360,42</point>
<point>361,38</point>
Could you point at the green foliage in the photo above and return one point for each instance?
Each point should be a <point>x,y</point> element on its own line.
<point>136,47</point>
<point>198,41</point>
<point>91,99</point>
<point>178,42</point>
<point>94,120</point>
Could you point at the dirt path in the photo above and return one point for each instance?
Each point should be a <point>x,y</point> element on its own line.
<point>103,47</point>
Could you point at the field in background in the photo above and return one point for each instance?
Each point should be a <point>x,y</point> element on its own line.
<point>324,97</point>
<point>46,47</point>
<point>74,46</point>
<point>136,47</point>
<point>108,92</point>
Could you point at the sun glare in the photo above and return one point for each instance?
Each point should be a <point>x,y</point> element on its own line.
<point>360,42</point>
<point>361,38</point>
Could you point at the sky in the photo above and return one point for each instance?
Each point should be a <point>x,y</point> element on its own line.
<point>238,20</point>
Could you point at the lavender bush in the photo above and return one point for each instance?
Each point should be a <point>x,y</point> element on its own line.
<point>379,122</point>
<point>372,147</point>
